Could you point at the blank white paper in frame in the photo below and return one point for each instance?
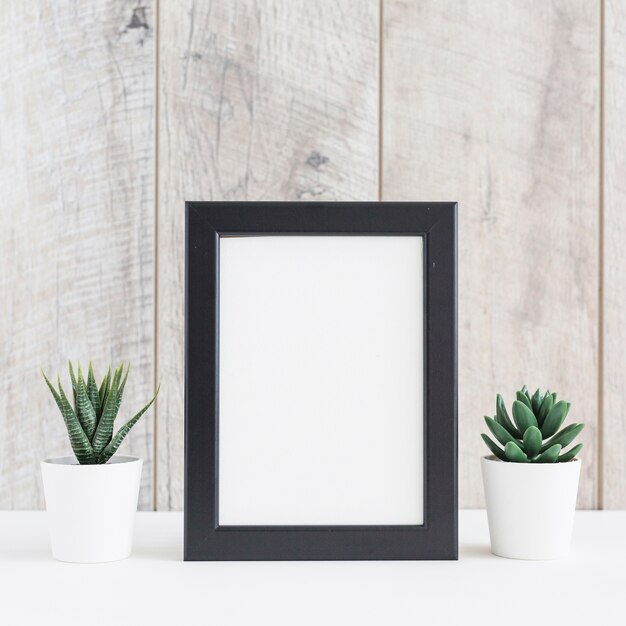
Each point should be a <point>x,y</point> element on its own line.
<point>321,350</point>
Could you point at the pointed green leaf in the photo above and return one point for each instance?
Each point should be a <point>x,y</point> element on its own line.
<point>564,437</point>
<point>532,441</point>
<point>73,379</point>
<point>495,449</point>
<point>536,401</point>
<point>78,440</point>
<point>92,391</point>
<point>104,430</point>
<point>115,443</point>
<point>550,455</point>
<point>554,398</point>
<point>555,418</point>
<point>499,432</point>
<point>524,399</point>
<point>84,409</point>
<point>503,418</point>
<point>72,375</point>
<point>523,416</point>
<point>546,405</point>
<point>120,391</point>
<point>570,454</point>
<point>514,453</point>
<point>104,389</point>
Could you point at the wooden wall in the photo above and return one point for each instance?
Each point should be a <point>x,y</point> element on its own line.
<point>77,229</point>
<point>613,203</point>
<point>113,115</point>
<point>495,105</point>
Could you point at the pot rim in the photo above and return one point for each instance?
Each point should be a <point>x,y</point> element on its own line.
<point>70,461</point>
<point>492,458</point>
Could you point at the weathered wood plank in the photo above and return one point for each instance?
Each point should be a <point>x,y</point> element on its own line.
<point>495,105</point>
<point>76,219</point>
<point>614,296</point>
<point>272,100</point>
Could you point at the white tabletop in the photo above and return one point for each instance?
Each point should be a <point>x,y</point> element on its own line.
<point>155,586</point>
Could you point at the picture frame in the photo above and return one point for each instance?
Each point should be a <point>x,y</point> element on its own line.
<point>237,254</point>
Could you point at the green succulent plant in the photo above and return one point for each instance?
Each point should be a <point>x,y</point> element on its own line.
<point>533,436</point>
<point>90,421</point>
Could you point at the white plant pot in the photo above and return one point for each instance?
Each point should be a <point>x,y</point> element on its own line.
<point>530,507</point>
<point>91,508</point>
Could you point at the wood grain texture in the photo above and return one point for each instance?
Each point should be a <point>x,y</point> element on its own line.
<point>268,100</point>
<point>76,219</point>
<point>495,105</point>
<point>614,295</point>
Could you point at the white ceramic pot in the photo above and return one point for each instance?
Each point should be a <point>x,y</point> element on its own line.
<point>530,507</point>
<point>91,508</point>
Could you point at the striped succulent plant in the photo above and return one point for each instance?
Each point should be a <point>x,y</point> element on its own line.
<point>533,436</point>
<point>91,420</point>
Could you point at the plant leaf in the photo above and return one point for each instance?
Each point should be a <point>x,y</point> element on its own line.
<point>92,391</point>
<point>524,399</point>
<point>514,453</point>
<point>546,405</point>
<point>570,454</point>
<point>84,409</point>
<point>536,401</point>
<point>120,391</point>
<point>564,437</point>
<point>532,441</point>
<point>115,443</point>
<point>503,418</point>
<point>523,416</point>
<point>104,430</point>
<point>555,418</point>
<point>550,455</point>
<point>73,379</point>
<point>104,390</point>
<point>78,439</point>
<point>495,449</point>
<point>499,432</point>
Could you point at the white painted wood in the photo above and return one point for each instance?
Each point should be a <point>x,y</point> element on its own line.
<point>76,219</point>
<point>273,100</point>
<point>614,295</point>
<point>492,104</point>
<point>155,586</point>
<point>495,105</point>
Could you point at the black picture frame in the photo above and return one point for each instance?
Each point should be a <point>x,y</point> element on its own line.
<point>206,222</point>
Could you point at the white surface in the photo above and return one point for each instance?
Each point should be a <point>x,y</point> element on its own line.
<point>337,321</point>
<point>91,508</point>
<point>155,587</point>
<point>530,507</point>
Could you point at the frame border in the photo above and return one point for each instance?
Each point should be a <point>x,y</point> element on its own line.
<point>437,538</point>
